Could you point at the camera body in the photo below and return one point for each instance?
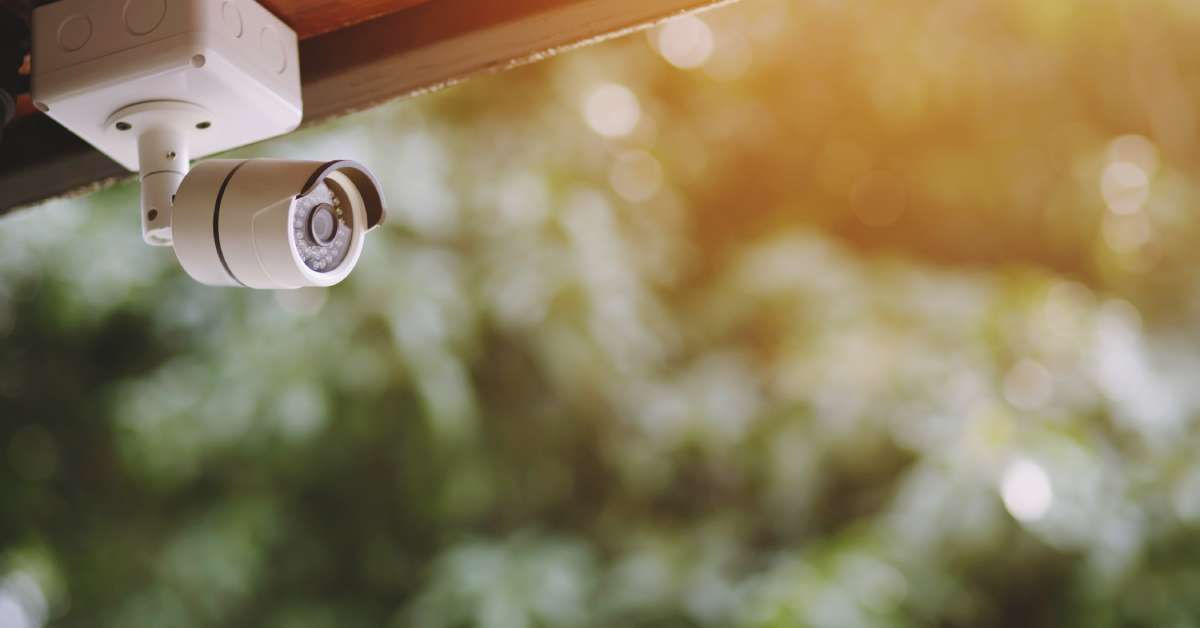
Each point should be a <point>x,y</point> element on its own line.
<point>266,223</point>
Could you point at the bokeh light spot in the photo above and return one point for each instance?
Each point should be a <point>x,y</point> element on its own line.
<point>686,42</point>
<point>522,200</point>
<point>1125,234</point>
<point>1135,149</point>
<point>12,615</point>
<point>612,110</point>
<point>22,602</point>
<point>636,176</point>
<point>1026,490</point>
<point>1028,385</point>
<point>1125,187</point>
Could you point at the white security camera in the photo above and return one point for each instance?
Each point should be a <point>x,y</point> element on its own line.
<point>150,83</point>
<point>266,223</point>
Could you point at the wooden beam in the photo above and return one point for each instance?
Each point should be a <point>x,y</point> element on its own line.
<point>426,47</point>
<point>316,17</point>
<point>438,44</point>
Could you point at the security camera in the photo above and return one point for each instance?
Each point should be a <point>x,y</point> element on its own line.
<point>266,223</point>
<point>153,83</point>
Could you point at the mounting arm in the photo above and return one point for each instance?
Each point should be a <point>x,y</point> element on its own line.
<point>163,160</point>
<point>161,129</point>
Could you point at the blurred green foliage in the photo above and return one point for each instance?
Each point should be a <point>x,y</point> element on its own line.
<point>819,313</point>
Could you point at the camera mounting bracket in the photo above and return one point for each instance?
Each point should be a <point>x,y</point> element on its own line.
<point>161,131</point>
<point>189,77</point>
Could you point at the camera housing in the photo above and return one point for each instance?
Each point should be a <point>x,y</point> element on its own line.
<point>266,223</point>
<point>152,83</point>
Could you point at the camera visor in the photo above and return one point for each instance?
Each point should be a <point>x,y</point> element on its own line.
<point>323,226</point>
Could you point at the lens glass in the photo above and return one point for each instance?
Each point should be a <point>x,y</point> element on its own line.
<point>322,224</point>
<point>324,227</point>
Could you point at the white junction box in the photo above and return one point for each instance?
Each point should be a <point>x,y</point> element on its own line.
<point>232,66</point>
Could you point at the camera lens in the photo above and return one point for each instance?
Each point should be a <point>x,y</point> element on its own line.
<point>323,226</point>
